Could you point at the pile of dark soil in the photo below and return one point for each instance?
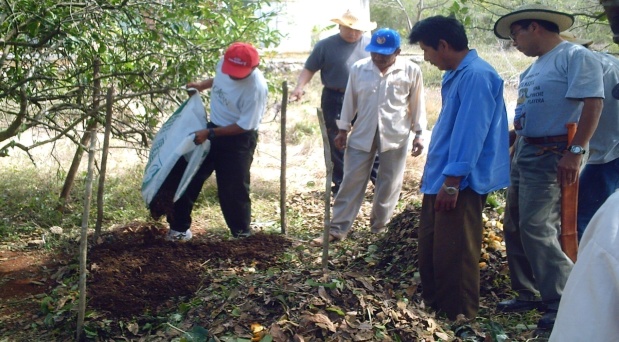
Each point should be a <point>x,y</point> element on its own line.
<point>136,271</point>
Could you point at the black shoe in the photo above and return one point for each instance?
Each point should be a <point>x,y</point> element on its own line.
<point>516,305</point>
<point>548,320</point>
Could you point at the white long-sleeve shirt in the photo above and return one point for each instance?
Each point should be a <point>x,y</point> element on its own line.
<point>392,102</point>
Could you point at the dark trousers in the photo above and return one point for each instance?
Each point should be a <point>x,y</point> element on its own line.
<point>597,183</point>
<point>331,103</point>
<point>449,252</point>
<point>231,158</point>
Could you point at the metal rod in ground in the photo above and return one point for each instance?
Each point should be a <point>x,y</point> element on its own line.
<point>106,147</point>
<point>81,313</point>
<point>282,175</point>
<point>329,165</point>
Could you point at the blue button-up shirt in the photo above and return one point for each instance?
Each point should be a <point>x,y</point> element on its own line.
<point>471,136</point>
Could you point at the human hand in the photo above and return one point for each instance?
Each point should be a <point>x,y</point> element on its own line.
<point>191,91</point>
<point>192,87</point>
<point>340,140</point>
<point>445,201</point>
<point>296,94</point>
<point>417,147</point>
<point>200,136</point>
<point>568,168</point>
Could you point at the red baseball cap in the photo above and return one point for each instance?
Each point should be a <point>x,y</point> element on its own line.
<point>239,60</point>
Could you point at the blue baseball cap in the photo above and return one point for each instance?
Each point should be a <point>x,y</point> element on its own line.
<point>384,41</point>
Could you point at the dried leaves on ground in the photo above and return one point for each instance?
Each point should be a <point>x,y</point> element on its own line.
<point>268,287</point>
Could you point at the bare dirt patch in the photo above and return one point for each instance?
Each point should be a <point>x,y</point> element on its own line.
<point>24,275</point>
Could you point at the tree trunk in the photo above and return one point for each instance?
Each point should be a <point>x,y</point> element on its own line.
<point>106,146</point>
<point>65,194</point>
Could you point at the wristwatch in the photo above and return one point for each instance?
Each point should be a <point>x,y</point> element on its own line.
<point>576,149</point>
<point>450,190</point>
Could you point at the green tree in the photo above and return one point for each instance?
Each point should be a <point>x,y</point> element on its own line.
<point>145,49</point>
<point>479,16</point>
<point>56,57</point>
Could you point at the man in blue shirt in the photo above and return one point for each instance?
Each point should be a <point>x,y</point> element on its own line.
<point>468,158</point>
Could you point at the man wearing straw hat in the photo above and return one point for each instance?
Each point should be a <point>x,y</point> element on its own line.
<point>600,177</point>
<point>334,56</point>
<point>562,86</point>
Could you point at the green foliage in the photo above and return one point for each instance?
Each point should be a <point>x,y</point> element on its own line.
<point>28,202</point>
<point>146,50</point>
<point>479,16</point>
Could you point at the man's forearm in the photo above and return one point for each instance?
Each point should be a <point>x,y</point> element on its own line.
<point>304,77</point>
<point>588,122</point>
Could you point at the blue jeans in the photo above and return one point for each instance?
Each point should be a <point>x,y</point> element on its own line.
<point>597,183</point>
<point>533,223</point>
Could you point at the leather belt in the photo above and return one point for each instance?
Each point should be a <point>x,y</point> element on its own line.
<point>546,140</point>
<point>339,90</point>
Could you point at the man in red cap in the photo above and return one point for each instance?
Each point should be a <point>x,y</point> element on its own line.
<point>238,101</point>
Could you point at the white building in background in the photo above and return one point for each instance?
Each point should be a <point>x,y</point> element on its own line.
<point>303,22</point>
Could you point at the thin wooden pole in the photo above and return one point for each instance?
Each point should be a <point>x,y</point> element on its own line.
<point>327,197</point>
<point>282,175</point>
<point>84,237</point>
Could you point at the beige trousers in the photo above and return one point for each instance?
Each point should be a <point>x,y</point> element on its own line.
<point>357,168</point>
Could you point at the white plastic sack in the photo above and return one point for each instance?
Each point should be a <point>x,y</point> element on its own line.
<point>197,157</point>
<point>175,140</point>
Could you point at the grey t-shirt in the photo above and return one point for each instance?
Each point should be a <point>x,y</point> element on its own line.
<point>604,144</point>
<point>551,90</point>
<point>334,56</point>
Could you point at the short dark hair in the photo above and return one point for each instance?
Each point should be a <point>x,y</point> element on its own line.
<point>548,25</point>
<point>431,30</point>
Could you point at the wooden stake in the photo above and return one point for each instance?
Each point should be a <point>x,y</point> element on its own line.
<point>282,176</point>
<point>327,198</point>
<point>84,237</point>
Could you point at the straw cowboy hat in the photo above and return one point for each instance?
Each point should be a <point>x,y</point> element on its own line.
<point>570,37</point>
<point>528,12</point>
<point>349,19</point>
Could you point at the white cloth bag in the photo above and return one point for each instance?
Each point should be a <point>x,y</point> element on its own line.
<point>175,140</point>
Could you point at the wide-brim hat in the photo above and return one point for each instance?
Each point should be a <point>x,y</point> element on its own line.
<point>571,37</point>
<point>352,20</point>
<point>502,27</point>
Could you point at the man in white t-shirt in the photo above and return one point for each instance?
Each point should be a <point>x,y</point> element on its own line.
<point>238,101</point>
<point>563,85</point>
<point>589,307</point>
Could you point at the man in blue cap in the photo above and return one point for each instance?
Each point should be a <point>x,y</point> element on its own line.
<point>385,93</point>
